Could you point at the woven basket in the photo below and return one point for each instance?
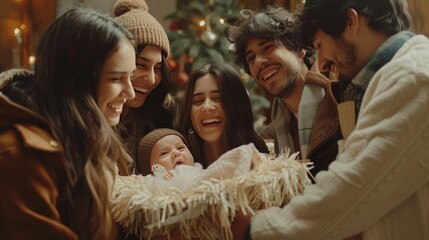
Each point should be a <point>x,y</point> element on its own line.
<point>206,211</point>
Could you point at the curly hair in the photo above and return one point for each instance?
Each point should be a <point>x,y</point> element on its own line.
<point>272,24</point>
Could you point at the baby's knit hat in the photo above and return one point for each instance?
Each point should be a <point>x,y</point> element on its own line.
<point>146,145</point>
<point>134,14</point>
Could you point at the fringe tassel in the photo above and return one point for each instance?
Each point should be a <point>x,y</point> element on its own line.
<point>206,211</point>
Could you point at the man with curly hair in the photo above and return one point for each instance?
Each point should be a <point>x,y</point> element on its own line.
<point>304,112</point>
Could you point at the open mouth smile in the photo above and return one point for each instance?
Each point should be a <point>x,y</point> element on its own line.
<point>209,121</point>
<point>140,89</point>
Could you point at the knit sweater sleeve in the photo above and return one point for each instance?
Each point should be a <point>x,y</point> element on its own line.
<point>384,162</point>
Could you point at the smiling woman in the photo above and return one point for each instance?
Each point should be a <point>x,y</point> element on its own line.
<point>207,112</point>
<point>115,76</point>
<point>152,107</point>
<point>58,151</point>
<point>215,114</point>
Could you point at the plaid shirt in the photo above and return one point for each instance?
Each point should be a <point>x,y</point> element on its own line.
<point>356,89</point>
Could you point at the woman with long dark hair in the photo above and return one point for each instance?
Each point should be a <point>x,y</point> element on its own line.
<point>215,114</point>
<point>58,151</point>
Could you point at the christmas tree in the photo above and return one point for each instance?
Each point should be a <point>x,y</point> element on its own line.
<point>197,37</point>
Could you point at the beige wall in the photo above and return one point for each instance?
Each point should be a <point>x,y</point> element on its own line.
<point>419,12</point>
<point>104,6</point>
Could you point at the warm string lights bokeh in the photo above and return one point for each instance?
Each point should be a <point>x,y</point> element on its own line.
<point>22,50</point>
<point>19,39</point>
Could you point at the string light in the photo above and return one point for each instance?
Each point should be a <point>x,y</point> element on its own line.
<point>202,23</point>
<point>31,60</point>
<point>17,33</point>
<point>222,21</point>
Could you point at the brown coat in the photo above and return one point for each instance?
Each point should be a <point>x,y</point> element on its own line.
<point>323,147</point>
<point>33,177</point>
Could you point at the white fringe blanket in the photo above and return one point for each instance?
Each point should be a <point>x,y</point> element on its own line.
<point>207,210</point>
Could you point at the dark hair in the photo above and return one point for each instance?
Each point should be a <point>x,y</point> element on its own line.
<point>155,100</point>
<point>387,16</point>
<point>239,116</point>
<point>272,24</point>
<point>70,56</point>
<point>156,112</point>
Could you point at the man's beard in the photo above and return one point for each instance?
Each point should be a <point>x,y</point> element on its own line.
<point>288,89</point>
<point>349,60</point>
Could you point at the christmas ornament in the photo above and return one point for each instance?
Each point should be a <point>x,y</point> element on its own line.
<point>175,25</point>
<point>209,37</point>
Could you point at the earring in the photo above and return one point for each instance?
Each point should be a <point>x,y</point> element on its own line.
<point>191,131</point>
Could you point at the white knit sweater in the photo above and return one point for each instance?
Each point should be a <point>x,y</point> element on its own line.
<point>379,183</point>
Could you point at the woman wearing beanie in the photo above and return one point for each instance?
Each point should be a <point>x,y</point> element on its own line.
<point>152,107</point>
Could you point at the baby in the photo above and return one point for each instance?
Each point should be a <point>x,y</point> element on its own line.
<point>161,151</point>
<point>165,153</point>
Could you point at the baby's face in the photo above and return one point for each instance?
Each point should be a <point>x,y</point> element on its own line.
<point>169,152</point>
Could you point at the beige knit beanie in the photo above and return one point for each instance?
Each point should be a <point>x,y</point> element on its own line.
<point>146,145</point>
<point>134,14</point>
